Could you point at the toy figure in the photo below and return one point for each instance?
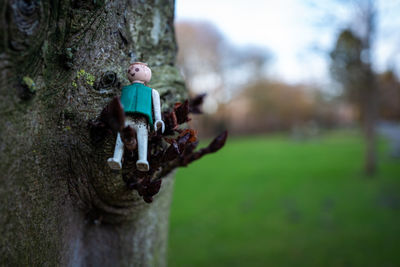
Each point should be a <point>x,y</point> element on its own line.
<point>139,102</point>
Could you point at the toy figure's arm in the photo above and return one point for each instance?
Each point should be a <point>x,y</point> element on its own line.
<point>157,111</point>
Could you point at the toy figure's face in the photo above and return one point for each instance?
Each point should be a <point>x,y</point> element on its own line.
<point>139,72</point>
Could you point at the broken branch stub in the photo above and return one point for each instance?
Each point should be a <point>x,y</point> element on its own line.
<point>174,148</point>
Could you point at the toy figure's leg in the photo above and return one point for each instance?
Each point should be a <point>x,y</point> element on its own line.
<point>142,137</point>
<point>115,161</point>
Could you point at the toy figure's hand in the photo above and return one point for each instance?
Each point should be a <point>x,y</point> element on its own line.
<point>157,125</point>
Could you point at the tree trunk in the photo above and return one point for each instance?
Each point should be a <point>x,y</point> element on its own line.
<point>370,113</point>
<point>61,63</point>
<point>370,101</point>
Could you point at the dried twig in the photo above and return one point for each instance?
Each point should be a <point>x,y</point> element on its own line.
<point>176,147</point>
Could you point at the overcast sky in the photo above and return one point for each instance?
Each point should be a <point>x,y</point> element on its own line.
<point>297,32</point>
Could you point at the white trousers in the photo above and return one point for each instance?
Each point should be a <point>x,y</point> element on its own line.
<point>141,127</point>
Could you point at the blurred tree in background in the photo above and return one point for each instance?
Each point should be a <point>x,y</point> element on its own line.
<point>389,96</point>
<point>212,65</point>
<point>271,106</point>
<point>347,66</point>
<point>200,57</point>
<point>352,67</point>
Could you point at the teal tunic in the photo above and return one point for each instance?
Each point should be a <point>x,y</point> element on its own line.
<point>136,98</point>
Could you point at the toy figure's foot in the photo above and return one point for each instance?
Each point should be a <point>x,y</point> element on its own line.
<point>114,164</point>
<point>142,165</point>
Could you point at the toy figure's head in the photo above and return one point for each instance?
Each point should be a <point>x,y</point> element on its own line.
<point>139,71</point>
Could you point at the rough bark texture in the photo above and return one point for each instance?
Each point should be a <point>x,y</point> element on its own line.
<point>61,63</point>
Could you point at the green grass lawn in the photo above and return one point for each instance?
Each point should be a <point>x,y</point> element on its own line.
<point>273,201</point>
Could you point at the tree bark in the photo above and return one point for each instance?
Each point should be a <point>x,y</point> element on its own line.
<point>61,63</point>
